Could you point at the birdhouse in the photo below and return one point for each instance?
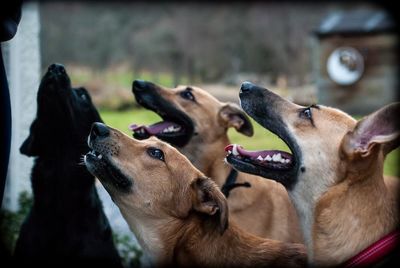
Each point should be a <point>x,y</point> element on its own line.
<point>356,61</point>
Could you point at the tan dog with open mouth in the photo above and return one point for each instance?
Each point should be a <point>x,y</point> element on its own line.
<point>197,123</point>
<point>335,175</point>
<point>179,216</point>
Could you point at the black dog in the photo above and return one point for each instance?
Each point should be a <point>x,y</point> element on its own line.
<point>66,224</point>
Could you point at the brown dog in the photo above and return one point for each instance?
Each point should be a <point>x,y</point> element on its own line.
<point>179,216</point>
<point>196,123</point>
<point>334,174</point>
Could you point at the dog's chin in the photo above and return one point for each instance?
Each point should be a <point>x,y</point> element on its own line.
<point>111,176</point>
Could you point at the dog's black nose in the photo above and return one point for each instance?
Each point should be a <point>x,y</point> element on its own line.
<point>139,85</point>
<point>56,68</point>
<point>99,130</point>
<point>246,87</point>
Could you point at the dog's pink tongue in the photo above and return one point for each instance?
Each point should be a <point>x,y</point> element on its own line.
<point>152,129</point>
<point>238,150</point>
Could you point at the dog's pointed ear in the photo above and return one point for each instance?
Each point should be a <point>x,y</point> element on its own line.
<point>379,129</point>
<point>208,199</point>
<point>30,147</point>
<point>232,116</point>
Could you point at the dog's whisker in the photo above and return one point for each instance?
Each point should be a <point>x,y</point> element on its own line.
<point>81,161</point>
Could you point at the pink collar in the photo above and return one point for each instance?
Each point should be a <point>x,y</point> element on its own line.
<point>375,252</point>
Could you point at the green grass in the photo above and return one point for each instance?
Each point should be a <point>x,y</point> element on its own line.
<point>261,139</point>
<point>122,119</point>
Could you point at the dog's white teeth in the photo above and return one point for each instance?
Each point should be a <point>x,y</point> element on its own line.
<point>287,160</point>
<point>276,157</point>
<point>229,151</point>
<point>268,158</point>
<point>171,129</point>
<point>100,156</point>
<point>260,158</point>
<point>283,161</point>
<point>234,150</point>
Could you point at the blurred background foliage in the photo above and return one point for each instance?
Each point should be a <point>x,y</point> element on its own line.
<point>107,45</point>
<point>200,41</point>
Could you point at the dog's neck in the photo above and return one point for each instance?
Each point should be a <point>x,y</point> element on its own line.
<point>209,157</point>
<point>311,184</point>
<point>305,209</point>
<point>150,235</point>
<point>341,219</point>
<point>196,241</point>
<point>351,216</point>
<point>203,245</point>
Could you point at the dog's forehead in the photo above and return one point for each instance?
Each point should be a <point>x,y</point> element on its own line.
<point>335,116</point>
<point>156,142</point>
<point>202,96</point>
<point>168,149</point>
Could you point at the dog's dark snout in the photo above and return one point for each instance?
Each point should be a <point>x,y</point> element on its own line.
<point>99,130</point>
<point>56,68</point>
<point>139,85</point>
<point>246,87</point>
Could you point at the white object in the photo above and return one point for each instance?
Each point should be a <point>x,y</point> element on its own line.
<point>345,66</point>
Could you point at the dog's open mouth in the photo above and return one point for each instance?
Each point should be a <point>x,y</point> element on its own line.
<point>163,128</point>
<point>101,167</point>
<point>176,127</point>
<point>271,164</point>
<point>270,159</point>
<point>172,130</point>
<point>97,156</point>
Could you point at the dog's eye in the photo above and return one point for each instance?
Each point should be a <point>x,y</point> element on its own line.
<point>83,97</point>
<point>306,113</point>
<point>186,94</point>
<point>156,153</point>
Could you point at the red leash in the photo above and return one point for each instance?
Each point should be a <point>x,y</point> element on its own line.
<point>375,252</point>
